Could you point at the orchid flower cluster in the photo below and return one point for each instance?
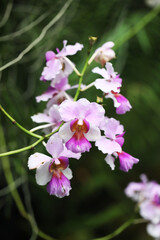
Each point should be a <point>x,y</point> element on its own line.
<point>73,123</point>
<point>147,195</point>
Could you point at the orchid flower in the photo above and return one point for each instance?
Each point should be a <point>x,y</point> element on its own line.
<point>58,64</point>
<point>112,144</point>
<point>147,195</point>
<point>103,54</point>
<point>53,170</point>
<point>82,124</point>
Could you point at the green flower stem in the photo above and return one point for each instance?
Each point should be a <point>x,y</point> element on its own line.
<point>137,27</point>
<point>30,146</point>
<point>81,79</point>
<point>10,181</point>
<point>91,43</point>
<point>18,125</point>
<point>122,228</point>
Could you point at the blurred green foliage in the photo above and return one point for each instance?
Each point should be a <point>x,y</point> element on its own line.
<point>97,204</point>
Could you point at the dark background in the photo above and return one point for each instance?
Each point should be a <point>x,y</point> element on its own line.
<point>97,204</point>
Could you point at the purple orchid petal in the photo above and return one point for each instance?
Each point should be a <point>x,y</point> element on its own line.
<point>120,140</point>
<point>50,55</point>
<point>59,185</point>
<point>126,161</point>
<point>78,145</point>
<point>125,105</point>
<point>64,161</point>
<point>62,84</point>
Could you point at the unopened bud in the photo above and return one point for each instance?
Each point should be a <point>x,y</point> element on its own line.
<point>92,40</point>
<point>99,100</point>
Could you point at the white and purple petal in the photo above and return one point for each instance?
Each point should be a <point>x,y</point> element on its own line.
<point>37,159</point>
<point>77,145</point>
<point>59,185</point>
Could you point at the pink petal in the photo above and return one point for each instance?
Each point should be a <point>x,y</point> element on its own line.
<point>109,44</point>
<point>126,161</point>
<point>70,49</point>
<point>125,105</point>
<point>112,127</point>
<point>55,146</point>
<point>52,69</point>
<point>108,146</point>
<point>50,55</point>
<point>70,154</point>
